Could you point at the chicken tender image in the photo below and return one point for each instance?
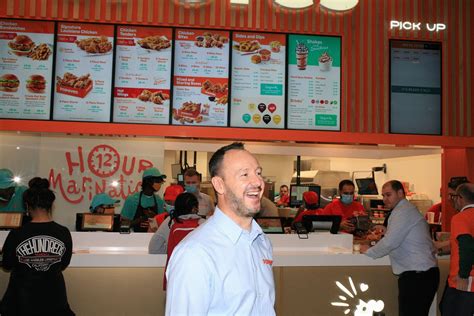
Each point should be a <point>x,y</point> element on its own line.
<point>95,45</point>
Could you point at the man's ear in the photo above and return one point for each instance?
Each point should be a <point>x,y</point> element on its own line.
<point>218,184</point>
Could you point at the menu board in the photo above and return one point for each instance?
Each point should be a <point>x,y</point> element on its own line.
<point>314,82</point>
<point>415,87</point>
<point>84,61</point>
<point>258,80</point>
<point>200,81</point>
<point>142,75</point>
<point>26,64</point>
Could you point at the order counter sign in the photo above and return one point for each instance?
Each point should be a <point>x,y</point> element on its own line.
<point>103,161</point>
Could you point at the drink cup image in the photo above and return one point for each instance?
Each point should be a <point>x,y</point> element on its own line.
<point>325,62</point>
<point>301,56</point>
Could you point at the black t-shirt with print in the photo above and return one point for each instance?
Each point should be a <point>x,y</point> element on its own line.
<point>37,254</point>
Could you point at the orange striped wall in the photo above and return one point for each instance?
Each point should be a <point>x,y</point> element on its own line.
<point>364,32</point>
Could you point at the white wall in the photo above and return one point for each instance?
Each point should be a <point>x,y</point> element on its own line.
<point>81,166</point>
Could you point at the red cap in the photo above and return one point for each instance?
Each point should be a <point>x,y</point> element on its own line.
<point>310,197</point>
<point>172,192</point>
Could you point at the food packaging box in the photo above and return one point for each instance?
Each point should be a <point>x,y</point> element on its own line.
<point>74,92</point>
<point>190,114</point>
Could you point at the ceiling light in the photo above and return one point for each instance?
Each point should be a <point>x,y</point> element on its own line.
<point>295,4</point>
<point>339,5</point>
<point>239,1</point>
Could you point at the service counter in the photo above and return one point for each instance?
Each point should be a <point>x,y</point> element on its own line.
<point>112,274</point>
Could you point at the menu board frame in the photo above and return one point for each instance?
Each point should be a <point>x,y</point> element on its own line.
<point>156,94</point>
<point>390,92</point>
<point>213,95</point>
<point>84,92</point>
<point>172,74</point>
<point>305,64</point>
<point>266,109</point>
<point>50,79</point>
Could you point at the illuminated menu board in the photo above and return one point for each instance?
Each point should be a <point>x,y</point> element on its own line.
<point>84,62</point>
<point>415,87</point>
<point>258,80</point>
<point>26,63</point>
<point>200,81</point>
<point>142,75</point>
<point>314,82</point>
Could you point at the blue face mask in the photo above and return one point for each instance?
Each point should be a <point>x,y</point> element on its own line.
<point>191,188</point>
<point>347,198</point>
<point>168,207</point>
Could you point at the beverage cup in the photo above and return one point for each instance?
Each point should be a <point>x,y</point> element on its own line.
<point>301,60</point>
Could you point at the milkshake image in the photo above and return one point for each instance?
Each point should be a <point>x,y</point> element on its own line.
<point>301,56</point>
<point>325,62</point>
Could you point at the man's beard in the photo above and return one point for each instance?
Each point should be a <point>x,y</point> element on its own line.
<point>238,206</point>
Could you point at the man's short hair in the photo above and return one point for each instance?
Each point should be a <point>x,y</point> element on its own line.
<point>345,182</point>
<point>396,186</point>
<point>191,172</point>
<point>454,182</point>
<point>466,190</point>
<point>283,186</point>
<point>216,159</point>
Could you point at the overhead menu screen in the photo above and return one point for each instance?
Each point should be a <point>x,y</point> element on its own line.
<point>415,87</point>
<point>258,80</point>
<point>314,82</point>
<point>26,66</point>
<point>84,62</point>
<point>201,77</point>
<point>142,75</point>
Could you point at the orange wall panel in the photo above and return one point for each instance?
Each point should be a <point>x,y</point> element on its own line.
<point>365,38</point>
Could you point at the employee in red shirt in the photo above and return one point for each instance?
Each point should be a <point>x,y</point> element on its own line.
<point>284,197</point>
<point>345,206</point>
<point>310,200</point>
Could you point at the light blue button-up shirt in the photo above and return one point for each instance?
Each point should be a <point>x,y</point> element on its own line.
<point>407,241</point>
<point>221,269</point>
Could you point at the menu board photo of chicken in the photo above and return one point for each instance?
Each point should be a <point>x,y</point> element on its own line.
<point>84,64</point>
<point>143,75</point>
<point>258,80</point>
<point>200,81</point>
<point>26,64</point>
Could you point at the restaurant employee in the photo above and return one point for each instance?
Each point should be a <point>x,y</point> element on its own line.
<point>345,206</point>
<point>11,194</point>
<point>141,206</point>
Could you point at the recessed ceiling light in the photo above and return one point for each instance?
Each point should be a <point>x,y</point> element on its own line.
<point>339,5</point>
<point>295,4</point>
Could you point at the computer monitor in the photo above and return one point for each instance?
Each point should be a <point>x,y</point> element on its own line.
<point>296,193</point>
<point>367,186</point>
<point>97,222</point>
<point>329,223</point>
<point>271,225</point>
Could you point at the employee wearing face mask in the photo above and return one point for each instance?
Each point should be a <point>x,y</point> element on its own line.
<point>192,184</point>
<point>141,206</point>
<point>345,206</point>
<point>11,194</point>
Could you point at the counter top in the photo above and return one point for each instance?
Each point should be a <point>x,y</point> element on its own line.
<point>99,249</point>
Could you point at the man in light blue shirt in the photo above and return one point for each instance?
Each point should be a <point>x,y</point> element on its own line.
<point>412,253</point>
<point>224,267</point>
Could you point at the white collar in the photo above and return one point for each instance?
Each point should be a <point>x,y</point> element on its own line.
<point>467,206</point>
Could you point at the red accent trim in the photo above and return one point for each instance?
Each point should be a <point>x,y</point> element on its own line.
<point>249,134</point>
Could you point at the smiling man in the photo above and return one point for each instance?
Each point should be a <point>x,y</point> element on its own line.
<point>224,267</point>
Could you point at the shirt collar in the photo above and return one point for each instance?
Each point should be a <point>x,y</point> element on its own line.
<point>400,204</point>
<point>467,206</point>
<point>233,231</point>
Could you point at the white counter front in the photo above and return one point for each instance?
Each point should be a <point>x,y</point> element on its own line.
<point>99,249</point>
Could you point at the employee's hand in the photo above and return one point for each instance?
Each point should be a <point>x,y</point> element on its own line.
<point>149,213</point>
<point>144,223</point>
<point>364,248</point>
<point>347,225</point>
<point>461,284</point>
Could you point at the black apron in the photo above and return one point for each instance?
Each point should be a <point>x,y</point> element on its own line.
<point>140,213</point>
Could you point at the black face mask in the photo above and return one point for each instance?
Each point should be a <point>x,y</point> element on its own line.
<point>6,194</point>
